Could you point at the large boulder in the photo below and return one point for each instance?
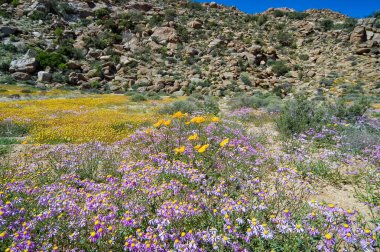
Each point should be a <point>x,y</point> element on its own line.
<point>27,64</point>
<point>44,76</point>
<point>358,35</point>
<point>142,6</point>
<point>163,35</point>
<point>6,31</point>
<point>195,24</point>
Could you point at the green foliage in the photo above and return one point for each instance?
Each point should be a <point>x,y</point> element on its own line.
<point>376,14</point>
<point>59,77</point>
<point>304,57</point>
<point>278,13</point>
<point>193,5</point>
<point>51,59</point>
<point>270,102</point>
<point>170,14</point>
<point>350,23</point>
<point>262,19</point>
<point>9,128</point>
<point>285,38</point>
<point>103,40</point>
<point>326,24</point>
<point>37,15</point>
<point>297,15</point>
<point>244,77</point>
<point>194,104</point>
<point>138,98</point>
<point>101,13</point>
<point>280,68</point>
<point>301,114</point>
<point>298,115</point>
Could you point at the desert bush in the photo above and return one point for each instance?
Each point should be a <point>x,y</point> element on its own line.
<point>278,13</point>
<point>262,19</point>
<point>271,103</point>
<point>194,104</point>
<point>285,38</point>
<point>9,128</point>
<point>51,59</point>
<point>170,14</point>
<point>304,57</point>
<point>326,24</point>
<point>279,68</point>
<point>297,15</point>
<point>244,77</point>
<point>359,136</point>
<point>101,13</point>
<point>301,114</point>
<point>138,98</point>
<point>37,15</point>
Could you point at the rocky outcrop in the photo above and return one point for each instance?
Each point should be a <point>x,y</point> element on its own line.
<point>163,35</point>
<point>27,64</point>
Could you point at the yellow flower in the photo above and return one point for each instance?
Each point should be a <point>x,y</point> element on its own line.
<point>203,148</point>
<point>93,234</point>
<point>215,119</point>
<point>167,123</point>
<point>328,236</point>
<point>197,147</point>
<point>179,150</point>
<point>198,119</point>
<point>148,131</point>
<point>193,137</point>
<point>224,142</point>
<point>159,123</point>
<point>178,114</point>
<point>24,142</point>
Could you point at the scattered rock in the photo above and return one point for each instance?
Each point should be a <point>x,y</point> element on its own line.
<point>27,64</point>
<point>163,35</point>
<point>44,76</point>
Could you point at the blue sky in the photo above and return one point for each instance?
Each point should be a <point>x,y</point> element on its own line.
<point>353,8</point>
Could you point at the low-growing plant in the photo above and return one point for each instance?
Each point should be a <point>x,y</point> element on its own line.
<point>279,67</point>
<point>194,104</point>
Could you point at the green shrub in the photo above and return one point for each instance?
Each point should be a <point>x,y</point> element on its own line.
<point>244,77</point>
<point>170,14</point>
<point>51,59</point>
<point>285,38</point>
<point>297,15</point>
<point>326,24</point>
<point>304,57</point>
<point>194,104</point>
<point>278,13</point>
<point>301,114</point>
<point>9,128</point>
<point>280,68</point>
<point>59,77</point>
<point>350,23</point>
<point>194,5</point>
<point>101,13</point>
<point>37,15</point>
<point>138,98</point>
<point>5,64</point>
<point>262,19</point>
<point>268,101</point>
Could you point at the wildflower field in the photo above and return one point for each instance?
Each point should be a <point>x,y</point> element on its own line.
<point>182,181</point>
<point>78,119</point>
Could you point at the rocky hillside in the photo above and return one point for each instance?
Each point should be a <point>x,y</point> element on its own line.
<point>183,47</point>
